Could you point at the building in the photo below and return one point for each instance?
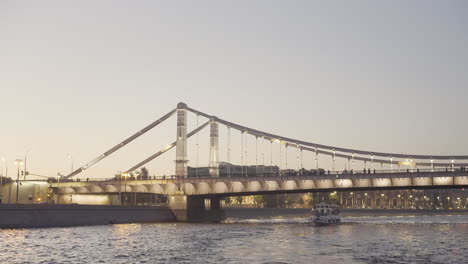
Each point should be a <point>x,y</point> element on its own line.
<point>231,170</point>
<point>29,192</point>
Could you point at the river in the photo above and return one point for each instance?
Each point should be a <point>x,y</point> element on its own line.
<point>418,239</point>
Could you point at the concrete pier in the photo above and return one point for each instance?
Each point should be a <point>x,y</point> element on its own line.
<point>196,208</point>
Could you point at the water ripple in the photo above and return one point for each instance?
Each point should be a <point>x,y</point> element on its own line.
<point>435,239</point>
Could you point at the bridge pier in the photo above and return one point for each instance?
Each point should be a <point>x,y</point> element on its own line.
<point>196,208</point>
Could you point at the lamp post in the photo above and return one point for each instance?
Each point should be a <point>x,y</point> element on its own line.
<point>5,162</point>
<point>382,202</point>
<point>4,165</point>
<point>134,187</point>
<point>58,186</point>
<point>18,163</point>
<point>120,187</point>
<point>71,160</point>
<point>125,175</point>
<point>25,158</point>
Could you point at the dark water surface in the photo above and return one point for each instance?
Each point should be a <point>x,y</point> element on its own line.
<point>420,239</point>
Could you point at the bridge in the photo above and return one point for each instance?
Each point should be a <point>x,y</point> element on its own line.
<point>190,190</point>
<point>240,186</point>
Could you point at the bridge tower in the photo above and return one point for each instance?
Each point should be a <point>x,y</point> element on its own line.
<point>214,148</point>
<point>181,142</point>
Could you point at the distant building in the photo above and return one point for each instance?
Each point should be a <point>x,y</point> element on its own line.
<point>30,192</point>
<point>231,170</point>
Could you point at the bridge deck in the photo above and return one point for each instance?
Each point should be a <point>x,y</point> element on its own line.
<point>269,184</point>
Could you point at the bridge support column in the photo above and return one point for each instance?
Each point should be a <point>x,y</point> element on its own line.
<point>214,149</point>
<point>196,208</point>
<point>181,141</point>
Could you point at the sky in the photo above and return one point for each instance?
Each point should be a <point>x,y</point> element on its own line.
<point>78,77</point>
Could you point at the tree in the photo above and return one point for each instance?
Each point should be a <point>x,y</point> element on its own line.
<point>301,201</point>
<point>259,199</point>
<point>270,200</point>
<point>274,200</point>
<point>333,197</point>
<point>144,173</point>
<point>289,200</point>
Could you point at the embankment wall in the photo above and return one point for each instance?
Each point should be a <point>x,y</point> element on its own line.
<point>47,215</point>
<point>248,213</point>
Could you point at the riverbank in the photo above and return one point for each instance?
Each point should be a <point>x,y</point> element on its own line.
<point>49,215</point>
<point>249,213</point>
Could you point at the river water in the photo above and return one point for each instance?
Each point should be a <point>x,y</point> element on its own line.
<point>420,239</point>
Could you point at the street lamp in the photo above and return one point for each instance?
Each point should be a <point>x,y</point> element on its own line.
<point>120,186</point>
<point>134,187</point>
<point>5,165</point>
<point>25,157</point>
<point>71,159</point>
<point>365,198</point>
<point>58,186</point>
<point>19,163</point>
<point>125,175</point>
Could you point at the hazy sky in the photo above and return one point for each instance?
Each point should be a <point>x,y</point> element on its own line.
<point>80,76</point>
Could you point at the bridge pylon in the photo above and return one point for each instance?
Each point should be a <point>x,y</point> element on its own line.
<point>181,141</point>
<point>214,149</point>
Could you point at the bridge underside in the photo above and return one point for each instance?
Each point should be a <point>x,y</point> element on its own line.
<point>262,192</point>
<point>340,190</point>
<point>275,185</point>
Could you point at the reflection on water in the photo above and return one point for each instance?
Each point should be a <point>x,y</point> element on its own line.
<point>420,239</point>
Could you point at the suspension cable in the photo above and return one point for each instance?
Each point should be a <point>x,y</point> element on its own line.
<point>280,158</point>
<point>271,157</point>
<point>242,153</point>
<point>339,149</point>
<point>263,155</point>
<point>302,164</point>
<point>166,148</point>
<point>229,150</point>
<point>256,155</point>
<point>333,160</point>
<point>246,160</point>
<point>196,170</point>
<point>316,159</point>
<point>120,145</point>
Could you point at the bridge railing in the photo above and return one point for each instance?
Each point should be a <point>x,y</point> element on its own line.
<point>292,174</point>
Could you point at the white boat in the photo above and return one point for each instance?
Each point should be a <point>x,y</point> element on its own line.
<point>325,214</point>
